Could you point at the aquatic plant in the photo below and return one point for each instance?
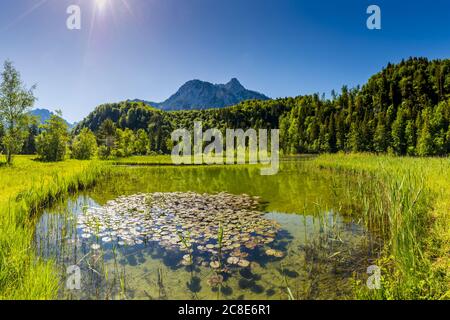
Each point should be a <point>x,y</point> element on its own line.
<point>26,188</point>
<point>404,201</point>
<point>179,220</point>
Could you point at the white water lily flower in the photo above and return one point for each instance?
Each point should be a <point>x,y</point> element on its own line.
<point>106,239</point>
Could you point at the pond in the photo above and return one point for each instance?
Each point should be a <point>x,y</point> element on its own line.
<point>208,233</point>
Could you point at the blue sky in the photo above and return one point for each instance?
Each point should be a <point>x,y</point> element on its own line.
<point>148,48</point>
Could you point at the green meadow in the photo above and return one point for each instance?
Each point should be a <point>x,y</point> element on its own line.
<point>26,188</point>
<point>402,201</point>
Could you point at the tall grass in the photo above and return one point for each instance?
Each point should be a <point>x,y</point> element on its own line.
<point>403,201</point>
<point>25,188</point>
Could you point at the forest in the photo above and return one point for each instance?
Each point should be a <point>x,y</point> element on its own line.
<point>403,110</point>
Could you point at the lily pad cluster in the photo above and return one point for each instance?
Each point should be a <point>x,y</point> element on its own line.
<point>211,229</point>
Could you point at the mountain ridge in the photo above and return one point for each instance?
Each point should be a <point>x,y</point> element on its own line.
<point>44,114</point>
<point>198,95</point>
<point>404,109</point>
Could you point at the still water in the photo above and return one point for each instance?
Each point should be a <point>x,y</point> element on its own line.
<point>259,237</point>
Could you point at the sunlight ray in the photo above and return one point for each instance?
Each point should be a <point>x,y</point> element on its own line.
<point>127,5</point>
<point>25,14</point>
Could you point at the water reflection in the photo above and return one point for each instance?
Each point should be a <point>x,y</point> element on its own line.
<point>320,249</point>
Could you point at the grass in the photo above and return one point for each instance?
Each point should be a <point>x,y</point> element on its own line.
<point>143,161</point>
<point>405,201</point>
<point>26,187</point>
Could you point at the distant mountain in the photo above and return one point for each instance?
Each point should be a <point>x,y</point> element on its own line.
<point>43,115</point>
<point>196,94</point>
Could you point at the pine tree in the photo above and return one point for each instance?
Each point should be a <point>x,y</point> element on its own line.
<point>398,133</point>
<point>410,134</point>
<point>380,142</point>
<point>425,142</point>
<point>354,138</point>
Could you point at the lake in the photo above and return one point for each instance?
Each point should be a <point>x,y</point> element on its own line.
<point>209,233</point>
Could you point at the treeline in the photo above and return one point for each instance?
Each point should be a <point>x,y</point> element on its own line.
<point>20,132</point>
<point>404,110</point>
<point>124,128</point>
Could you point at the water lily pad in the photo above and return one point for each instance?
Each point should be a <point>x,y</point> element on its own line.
<point>215,280</point>
<point>233,260</point>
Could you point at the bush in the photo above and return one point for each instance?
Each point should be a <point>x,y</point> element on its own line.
<point>118,153</point>
<point>84,145</point>
<point>104,152</point>
<point>51,144</point>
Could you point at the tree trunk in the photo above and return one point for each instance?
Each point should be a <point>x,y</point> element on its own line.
<point>8,157</point>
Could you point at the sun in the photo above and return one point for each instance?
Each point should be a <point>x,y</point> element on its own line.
<point>100,4</point>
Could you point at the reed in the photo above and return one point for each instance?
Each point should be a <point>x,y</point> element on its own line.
<point>404,201</point>
<point>26,188</point>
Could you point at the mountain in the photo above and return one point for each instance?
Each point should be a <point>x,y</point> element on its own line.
<point>196,94</point>
<point>403,109</point>
<point>43,115</point>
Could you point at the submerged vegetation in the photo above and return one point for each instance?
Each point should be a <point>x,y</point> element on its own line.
<point>406,201</point>
<point>26,188</point>
<point>403,201</point>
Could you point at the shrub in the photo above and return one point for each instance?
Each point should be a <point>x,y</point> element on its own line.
<point>84,145</point>
<point>51,144</point>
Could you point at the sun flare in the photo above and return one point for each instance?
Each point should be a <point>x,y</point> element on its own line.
<point>100,4</point>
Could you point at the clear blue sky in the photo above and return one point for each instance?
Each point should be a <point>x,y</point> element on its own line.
<point>147,48</point>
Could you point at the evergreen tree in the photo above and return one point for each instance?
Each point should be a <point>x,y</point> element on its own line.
<point>355,139</point>
<point>425,141</point>
<point>381,140</point>
<point>398,133</point>
<point>411,139</point>
<point>387,114</point>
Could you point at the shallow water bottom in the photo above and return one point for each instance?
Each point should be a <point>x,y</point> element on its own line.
<point>320,255</point>
<point>322,249</point>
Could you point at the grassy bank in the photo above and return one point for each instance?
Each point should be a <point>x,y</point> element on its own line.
<point>26,187</point>
<point>407,202</point>
<point>404,200</point>
<point>143,161</point>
